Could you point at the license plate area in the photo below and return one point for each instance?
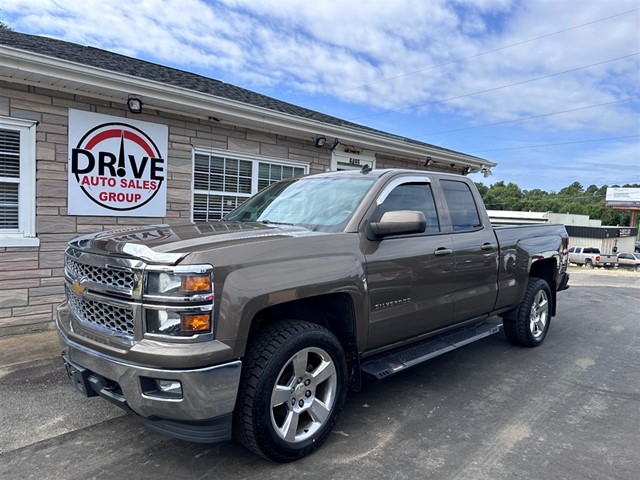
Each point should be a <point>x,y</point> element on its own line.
<point>79,377</point>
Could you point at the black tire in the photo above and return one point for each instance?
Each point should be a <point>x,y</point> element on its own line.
<point>293,372</point>
<point>527,325</point>
<point>588,263</point>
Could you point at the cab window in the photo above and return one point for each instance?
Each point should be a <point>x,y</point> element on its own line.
<point>411,196</point>
<point>462,207</point>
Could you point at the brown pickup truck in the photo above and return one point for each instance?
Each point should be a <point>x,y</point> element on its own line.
<point>259,324</point>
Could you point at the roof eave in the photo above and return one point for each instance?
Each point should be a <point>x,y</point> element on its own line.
<point>66,75</point>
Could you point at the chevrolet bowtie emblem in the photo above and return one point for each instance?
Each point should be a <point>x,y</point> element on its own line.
<point>77,287</point>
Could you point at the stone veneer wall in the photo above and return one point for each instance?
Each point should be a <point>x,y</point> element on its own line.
<point>31,278</point>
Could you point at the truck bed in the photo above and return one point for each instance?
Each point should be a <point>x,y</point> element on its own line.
<point>518,243</point>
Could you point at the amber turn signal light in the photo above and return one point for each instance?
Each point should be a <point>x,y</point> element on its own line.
<point>196,283</point>
<point>197,323</point>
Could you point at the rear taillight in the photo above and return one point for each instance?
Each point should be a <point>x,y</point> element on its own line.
<point>597,258</point>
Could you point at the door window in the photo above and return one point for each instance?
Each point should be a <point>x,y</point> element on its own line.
<point>462,207</point>
<point>411,196</point>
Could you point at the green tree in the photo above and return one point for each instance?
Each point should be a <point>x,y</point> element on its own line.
<point>573,199</point>
<point>573,190</point>
<point>504,197</point>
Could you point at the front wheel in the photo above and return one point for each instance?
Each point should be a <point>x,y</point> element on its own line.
<point>527,325</point>
<point>293,384</point>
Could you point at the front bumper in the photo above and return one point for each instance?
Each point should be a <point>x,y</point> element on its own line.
<point>202,414</point>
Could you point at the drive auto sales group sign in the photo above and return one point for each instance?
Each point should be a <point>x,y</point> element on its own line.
<point>117,166</point>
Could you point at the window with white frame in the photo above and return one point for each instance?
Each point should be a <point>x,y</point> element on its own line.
<point>222,181</point>
<point>17,183</point>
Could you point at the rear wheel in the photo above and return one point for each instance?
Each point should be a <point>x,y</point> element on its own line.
<point>293,385</point>
<point>528,324</point>
<point>588,263</point>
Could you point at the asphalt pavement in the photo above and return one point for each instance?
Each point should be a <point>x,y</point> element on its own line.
<point>569,409</point>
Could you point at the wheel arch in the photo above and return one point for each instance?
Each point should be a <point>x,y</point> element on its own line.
<point>333,311</point>
<point>546,269</point>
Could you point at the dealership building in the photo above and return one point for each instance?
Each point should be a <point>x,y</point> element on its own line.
<point>92,140</point>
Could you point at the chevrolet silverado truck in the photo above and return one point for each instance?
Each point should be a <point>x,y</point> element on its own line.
<point>591,257</point>
<point>257,326</point>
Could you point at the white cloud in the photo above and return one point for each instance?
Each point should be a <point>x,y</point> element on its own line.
<point>329,46</point>
<point>399,54</point>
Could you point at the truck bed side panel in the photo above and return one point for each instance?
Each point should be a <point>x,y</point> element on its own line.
<point>520,246</point>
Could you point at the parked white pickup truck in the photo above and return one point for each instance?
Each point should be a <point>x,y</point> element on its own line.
<point>591,257</point>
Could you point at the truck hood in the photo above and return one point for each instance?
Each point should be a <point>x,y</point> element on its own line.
<point>166,244</point>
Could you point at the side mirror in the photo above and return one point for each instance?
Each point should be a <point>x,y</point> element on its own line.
<point>397,222</point>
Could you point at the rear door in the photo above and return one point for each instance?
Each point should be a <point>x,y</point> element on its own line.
<point>410,278</point>
<point>475,249</point>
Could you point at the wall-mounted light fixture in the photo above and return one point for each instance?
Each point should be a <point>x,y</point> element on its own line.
<point>486,171</point>
<point>336,142</point>
<point>466,170</point>
<point>428,161</point>
<point>320,141</point>
<point>135,104</point>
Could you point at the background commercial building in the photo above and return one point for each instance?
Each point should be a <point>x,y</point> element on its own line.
<point>583,231</point>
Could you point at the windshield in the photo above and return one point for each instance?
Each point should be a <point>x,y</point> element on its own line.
<point>318,203</point>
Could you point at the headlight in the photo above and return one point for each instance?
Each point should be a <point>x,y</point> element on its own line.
<point>176,323</point>
<point>178,301</point>
<point>193,282</point>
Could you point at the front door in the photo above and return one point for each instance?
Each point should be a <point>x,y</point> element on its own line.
<point>410,278</point>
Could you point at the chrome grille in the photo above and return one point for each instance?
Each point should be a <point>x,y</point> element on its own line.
<point>109,277</point>
<point>105,316</point>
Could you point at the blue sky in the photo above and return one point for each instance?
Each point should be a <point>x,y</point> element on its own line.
<point>547,89</point>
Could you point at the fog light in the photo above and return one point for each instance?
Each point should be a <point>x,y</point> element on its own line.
<point>172,387</point>
<point>161,389</point>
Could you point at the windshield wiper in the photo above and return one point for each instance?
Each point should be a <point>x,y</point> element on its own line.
<point>270,222</point>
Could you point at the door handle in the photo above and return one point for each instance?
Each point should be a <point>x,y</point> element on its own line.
<point>443,251</point>
<point>488,246</point>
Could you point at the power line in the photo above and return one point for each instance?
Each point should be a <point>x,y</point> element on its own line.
<point>498,88</point>
<point>462,59</point>
<point>556,144</point>
<point>526,118</point>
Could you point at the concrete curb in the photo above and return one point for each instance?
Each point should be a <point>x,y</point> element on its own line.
<point>26,329</point>
<point>20,350</point>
